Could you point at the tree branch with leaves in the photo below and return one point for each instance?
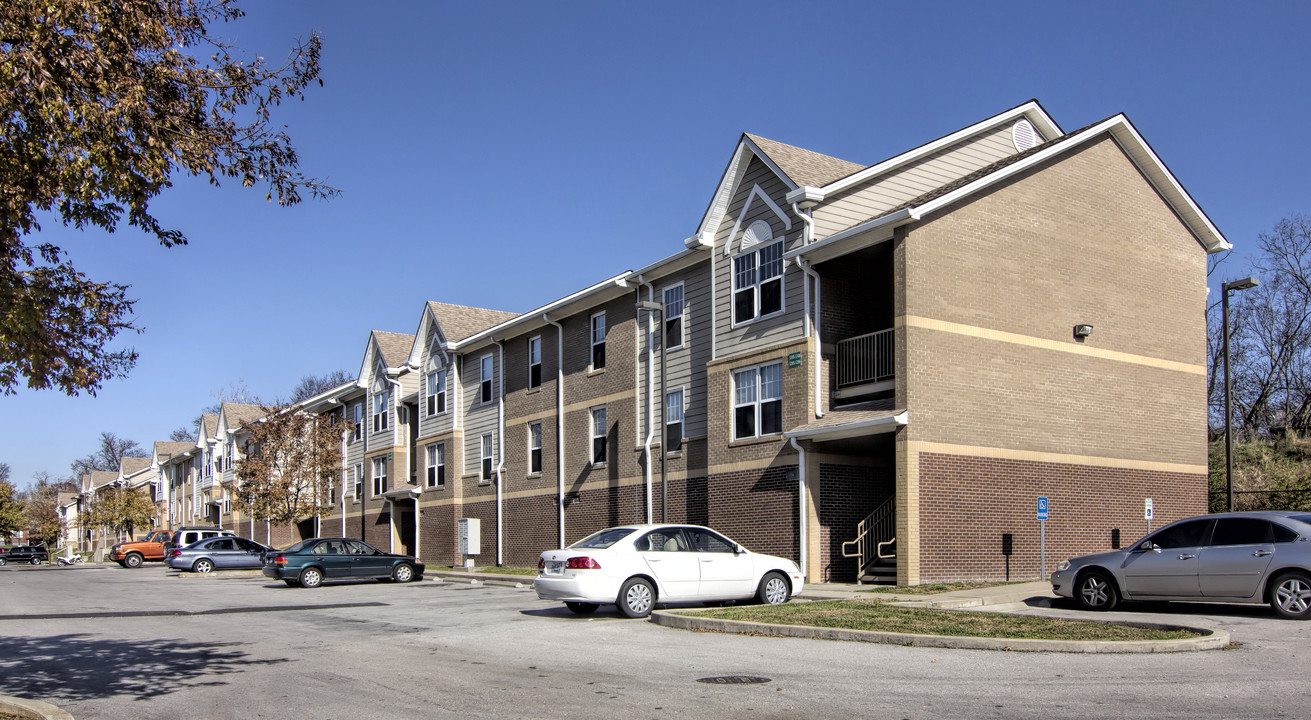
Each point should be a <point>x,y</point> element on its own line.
<point>291,459</point>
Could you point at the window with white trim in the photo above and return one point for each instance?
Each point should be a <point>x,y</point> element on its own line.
<point>437,465</point>
<point>758,401</point>
<point>357,480</point>
<point>485,456</point>
<point>598,435</point>
<point>598,341</point>
<point>674,420</point>
<point>436,392</point>
<point>357,420</point>
<point>534,448</point>
<point>534,362</point>
<point>758,283</point>
<point>379,476</point>
<point>485,379</point>
<point>380,414</point>
<point>673,297</point>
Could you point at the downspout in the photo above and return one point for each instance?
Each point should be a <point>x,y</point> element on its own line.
<point>650,393</point>
<point>807,237</point>
<point>801,507</point>
<point>559,422</point>
<point>395,471</point>
<point>500,451</point>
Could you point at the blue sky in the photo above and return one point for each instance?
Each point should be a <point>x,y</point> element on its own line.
<point>504,154</point>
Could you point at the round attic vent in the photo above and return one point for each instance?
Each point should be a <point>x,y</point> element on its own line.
<point>1023,135</point>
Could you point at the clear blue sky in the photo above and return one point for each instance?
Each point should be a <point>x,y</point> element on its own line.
<point>504,154</point>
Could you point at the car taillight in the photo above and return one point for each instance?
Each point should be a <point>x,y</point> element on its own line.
<point>582,563</point>
<point>175,553</point>
<point>279,560</point>
<point>541,563</point>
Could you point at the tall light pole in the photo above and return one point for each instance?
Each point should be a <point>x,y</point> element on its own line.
<point>1243,284</point>
<point>655,307</point>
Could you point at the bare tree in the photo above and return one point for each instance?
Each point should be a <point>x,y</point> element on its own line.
<point>312,385</point>
<point>111,452</point>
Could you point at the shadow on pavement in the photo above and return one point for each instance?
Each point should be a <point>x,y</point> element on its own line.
<point>84,667</point>
<point>1160,607</point>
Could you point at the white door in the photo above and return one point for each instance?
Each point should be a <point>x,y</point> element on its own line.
<point>668,556</point>
<point>725,573</point>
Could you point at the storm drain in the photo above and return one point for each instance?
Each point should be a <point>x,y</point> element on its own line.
<point>733,680</point>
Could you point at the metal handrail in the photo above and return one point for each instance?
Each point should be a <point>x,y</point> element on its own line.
<point>865,359</point>
<point>873,534</point>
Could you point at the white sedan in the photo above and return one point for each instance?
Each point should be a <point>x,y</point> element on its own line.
<point>636,566</point>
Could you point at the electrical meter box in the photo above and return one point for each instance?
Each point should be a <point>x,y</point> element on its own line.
<point>469,534</point>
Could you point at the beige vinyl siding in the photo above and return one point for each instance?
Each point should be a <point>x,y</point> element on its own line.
<point>877,195</point>
<point>430,425</point>
<point>479,417</point>
<point>786,326</point>
<point>687,365</point>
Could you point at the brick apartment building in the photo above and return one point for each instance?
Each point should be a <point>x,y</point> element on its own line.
<point>868,368</point>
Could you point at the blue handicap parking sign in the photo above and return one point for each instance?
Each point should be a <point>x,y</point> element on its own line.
<point>1042,508</point>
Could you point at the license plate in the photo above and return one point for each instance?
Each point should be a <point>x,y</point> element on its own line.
<point>554,567</point>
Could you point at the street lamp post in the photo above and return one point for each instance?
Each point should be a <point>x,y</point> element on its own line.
<point>655,307</point>
<point>1243,284</point>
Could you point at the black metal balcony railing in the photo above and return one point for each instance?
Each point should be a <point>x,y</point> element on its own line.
<point>865,359</point>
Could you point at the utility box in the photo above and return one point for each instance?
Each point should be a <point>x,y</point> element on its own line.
<point>468,532</point>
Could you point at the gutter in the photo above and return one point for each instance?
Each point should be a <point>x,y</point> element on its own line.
<point>500,452</point>
<point>650,393</point>
<point>886,423</point>
<point>801,507</point>
<point>559,422</point>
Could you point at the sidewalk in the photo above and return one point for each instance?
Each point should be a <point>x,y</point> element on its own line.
<point>976,597</point>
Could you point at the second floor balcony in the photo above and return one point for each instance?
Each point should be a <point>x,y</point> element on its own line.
<point>863,365</point>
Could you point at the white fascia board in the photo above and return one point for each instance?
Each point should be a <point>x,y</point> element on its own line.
<point>723,196</point>
<point>769,163</point>
<point>887,222</point>
<point>1030,110</point>
<point>1139,152</point>
<point>859,428</point>
<point>534,317</point>
<point>334,394</point>
<point>672,264</point>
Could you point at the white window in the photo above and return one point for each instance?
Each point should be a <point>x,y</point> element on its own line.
<point>486,456</point>
<point>598,436</point>
<point>380,414</point>
<point>436,392</point>
<point>485,380</point>
<point>534,362</point>
<point>357,480</point>
<point>534,447</point>
<point>674,420</point>
<point>379,476</point>
<point>674,316</point>
<point>758,401</point>
<point>598,341</point>
<point>357,421</point>
<point>437,465</point>
<point>758,283</point>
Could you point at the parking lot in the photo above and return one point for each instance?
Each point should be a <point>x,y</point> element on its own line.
<point>103,642</point>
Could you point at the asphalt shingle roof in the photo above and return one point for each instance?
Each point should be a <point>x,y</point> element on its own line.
<point>803,166</point>
<point>165,449</point>
<point>461,321</point>
<point>395,347</point>
<point>208,424</point>
<point>239,414</point>
<point>129,465</point>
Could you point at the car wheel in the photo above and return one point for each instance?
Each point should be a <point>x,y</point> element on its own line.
<point>774,589</point>
<point>1290,596</point>
<point>311,578</point>
<point>403,573</point>
<point>636,598</point>
<point>1096,591</point>
<point>133,560</point>
<point>581,608</point>
<point>203,565</point>
<point>2,562</point>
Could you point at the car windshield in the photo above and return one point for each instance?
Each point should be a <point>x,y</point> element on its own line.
<point>603,539</point>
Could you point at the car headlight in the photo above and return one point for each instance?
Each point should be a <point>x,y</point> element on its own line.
<point>1063,565</point>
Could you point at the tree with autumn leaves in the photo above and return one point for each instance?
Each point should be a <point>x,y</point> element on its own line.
<point>291,459</point>
<point>120,510</point>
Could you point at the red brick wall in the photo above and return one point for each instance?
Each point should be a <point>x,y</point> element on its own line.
<point>847,495</point>
<point>968,502</point>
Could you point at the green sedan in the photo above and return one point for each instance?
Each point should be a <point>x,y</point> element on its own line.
<point>310,562</point>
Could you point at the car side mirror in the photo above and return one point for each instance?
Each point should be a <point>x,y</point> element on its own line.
<point>738,549</point>
<point>1149,545</point>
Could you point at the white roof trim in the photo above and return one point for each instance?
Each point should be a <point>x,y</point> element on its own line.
<point>755,192</point>
<point>620,280</point>
<point>858,428</point>
<point>1030,111</point>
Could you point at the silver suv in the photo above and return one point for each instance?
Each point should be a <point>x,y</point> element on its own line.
<point>1245,557</point>
<point>184,536</point>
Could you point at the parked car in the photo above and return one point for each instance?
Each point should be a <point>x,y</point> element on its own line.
<point>218,553</point>
<point>310,562</point>
<point>34,554</point>
<point>636,566</point>
<point>1246,557</point>
<point>186,535</point>
<point>134,553</point>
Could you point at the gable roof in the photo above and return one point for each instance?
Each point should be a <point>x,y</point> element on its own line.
<point>240,414</point>
<point>130,465</point>
<point>208,425</point>
<point>165,449</point>
<point>459,322</point>
<point>804,167</point>
<point>100,478</point>
<point>395,347</point>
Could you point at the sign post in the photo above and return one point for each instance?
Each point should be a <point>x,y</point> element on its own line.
<point>1042,520</point>
<point>1147,513</point>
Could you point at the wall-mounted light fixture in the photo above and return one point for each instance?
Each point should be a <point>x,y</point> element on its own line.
<point>1082,331</point>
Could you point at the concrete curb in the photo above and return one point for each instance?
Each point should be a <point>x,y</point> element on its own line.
<point>34,709</point>
<point>515,581</point>
<point>687,620</point>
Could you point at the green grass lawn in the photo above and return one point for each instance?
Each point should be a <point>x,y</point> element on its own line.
<point>878,616</point>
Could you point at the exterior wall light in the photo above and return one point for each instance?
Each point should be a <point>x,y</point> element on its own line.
<point>1082,331</point>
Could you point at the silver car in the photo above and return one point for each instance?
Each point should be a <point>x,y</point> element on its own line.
<point>220,553</point>
<point>1246,557</point>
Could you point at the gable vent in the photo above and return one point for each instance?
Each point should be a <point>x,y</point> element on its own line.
<point>1023,135</point>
